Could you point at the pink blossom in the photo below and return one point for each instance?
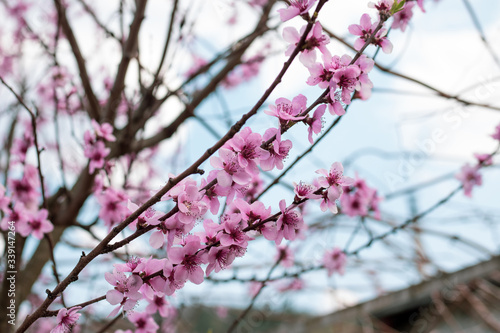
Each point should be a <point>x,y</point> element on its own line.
<point>342,78</point>
<point>148,217</point>
<point>25,189</point>
<point>496,135</point>
<point>345,78</point>
<point>221,312</point>
<point>251,66</point>
<point>484,159</point>
<point>198,63</point>
<point>232,233</point>
<point>383,6</point>
<point>315,123</point>
<point>334,261</point>
<point>278,150</point>
<point>113,209</point>
<point>130,265</point>
<point>103,131</point>
<point>153,286</point>
<point>403,17</point>
<point>252,212</point>
<point>355,203</point>
<point>253,188</point>
<point>237,250</point>
<point>233,79</point>
<point>285,255</point>
<point>420,3</point>
<point>143,322</point>
<point>470,177</point>
<point>191,207</point>
<point>289,223</point>
<point>7,65</point>
<point>365,30</point>
<point>303,190</point>
<point>365,64</point>
<point>219,258</point>
<point>18,214</point>
<point>188,260</point>
<point>96,153</point>
<point>66,319</point>
<point>254,288</point>
<point>179,188</point>
<point>287,111</point>
<point>20,146</point>
<point>126,290</point>
<point>244,72</point>
<point>257,3</point>
<point>231,171</point>
<point>159,304</point>
<point>247,145</point>
<point>172,284</point>
<point>297,7</point>
<point>210,234</point>
<point>334,105</point>
<point>18,11</point>
<point>157,238</point>
<point>359,199</point>
<point>315,39</point>
<point>332,181</point>
<point>36,224</point>
<point>293,285</point>
<point>334,177</point>
<point>173,228</point>
<point>211,197</point>
<point>321,74</point>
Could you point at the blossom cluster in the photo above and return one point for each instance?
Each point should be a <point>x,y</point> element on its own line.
<point>187,254</point>
<point>470,175</point>
<point>21,206</point>
<point>189,257</point>
<point>95,144</point>
<point>235,178</point>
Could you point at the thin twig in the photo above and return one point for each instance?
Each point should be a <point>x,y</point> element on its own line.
<point>254,298</point>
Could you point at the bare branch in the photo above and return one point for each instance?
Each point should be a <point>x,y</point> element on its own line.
<point>93,107</point>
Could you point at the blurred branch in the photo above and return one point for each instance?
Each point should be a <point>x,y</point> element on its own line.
<point>92,13</point>
<point>93,107</point>
<point>128,53</point>
<point>236,322</point>
<point>477,25</point>
<point>167,41</point>
<point>480,308</point>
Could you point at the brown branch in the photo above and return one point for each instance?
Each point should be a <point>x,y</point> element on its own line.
<point>480,309</point>
<point>108,325</point>
<point>129,50</point>
<point>169,37</point>
<point>233,59</point>
<point>35,138</point>
<point>82,305</point>
<point>254,298</point>
<point>63,208</point>
<point>445,312</point>
<point>193,169</point>
<point>416,217</point>
<point>92,13</point>
<point>54,265</point>
<point>93,107</point>
<point>477,25</point>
